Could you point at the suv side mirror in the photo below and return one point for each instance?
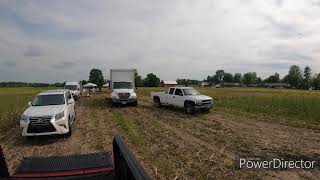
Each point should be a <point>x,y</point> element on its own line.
<point>29,104</point>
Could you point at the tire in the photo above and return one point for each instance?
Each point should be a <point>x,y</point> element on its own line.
<point>157,102</point>
<point>135,103</point>
<point>189,108</point>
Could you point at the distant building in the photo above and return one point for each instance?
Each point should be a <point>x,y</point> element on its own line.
<point>204,84</point>
<point>276,85</point>
<point>168,83</point>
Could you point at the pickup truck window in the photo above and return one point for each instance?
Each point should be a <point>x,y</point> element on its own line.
<point>46,100</point>
<point>178,92</point>
<point>191,91</point>
<point>171,90</point>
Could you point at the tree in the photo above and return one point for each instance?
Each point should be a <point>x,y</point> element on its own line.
<point>273,78</point>
<point>307,77</point>
<point>227,77</point>
<point>151,80</point>
<point>83,82</point>
<point>316,81</point>
<point>139,81</point>
<point>249,78</point>
<point>295,76</point>
<point>219,76</point>
<point>237,77</point>
<point>96,77</point>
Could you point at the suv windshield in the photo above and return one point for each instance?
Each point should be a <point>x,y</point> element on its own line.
<point>45,100</point>
<point>71,87</point>
<point>188,92</point>
<point>122,85</point>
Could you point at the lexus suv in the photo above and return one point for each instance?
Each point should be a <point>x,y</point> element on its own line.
<point>51,112</point>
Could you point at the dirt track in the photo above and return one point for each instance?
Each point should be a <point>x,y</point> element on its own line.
<point>171,144</point>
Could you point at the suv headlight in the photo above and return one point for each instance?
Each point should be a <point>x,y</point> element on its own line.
<point>24,118</point>
<point>114,96</point>
<point>59,115</point>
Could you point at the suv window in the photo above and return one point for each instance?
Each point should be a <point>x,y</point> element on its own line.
<point>171,90</point>
<point>178,92</point>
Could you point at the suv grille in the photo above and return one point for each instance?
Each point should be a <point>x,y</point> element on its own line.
<point>40,125</point>
<point>124,95</point>
<point>40,120</point>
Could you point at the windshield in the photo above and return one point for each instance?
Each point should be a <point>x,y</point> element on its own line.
<point>71,87</point>
<point>122,85</point>
<point>188,92</point>
<point>45,100</point>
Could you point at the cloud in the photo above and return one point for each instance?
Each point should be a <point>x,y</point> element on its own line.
<point>32,51</point>
<point>172,38</point>
<point>9,64</point>
<point>64,65</point>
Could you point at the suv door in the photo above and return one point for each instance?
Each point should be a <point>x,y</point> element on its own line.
<point>170,95</point>
<point>178,98</point>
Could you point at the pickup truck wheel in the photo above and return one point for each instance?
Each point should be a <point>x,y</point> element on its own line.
<point>157,102</point>
<point>189,107</point>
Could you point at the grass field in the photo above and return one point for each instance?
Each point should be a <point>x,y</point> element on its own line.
<point>173,145</point>
<point>12,102</point>
<point>294,107</point>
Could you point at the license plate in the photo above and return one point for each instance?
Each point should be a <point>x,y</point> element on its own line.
<point>124,102</point>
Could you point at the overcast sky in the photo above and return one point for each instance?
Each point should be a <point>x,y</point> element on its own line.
<point>49,41</point>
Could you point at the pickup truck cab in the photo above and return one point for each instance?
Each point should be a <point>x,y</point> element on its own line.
<point>183,97</point>
<point>51,112</point>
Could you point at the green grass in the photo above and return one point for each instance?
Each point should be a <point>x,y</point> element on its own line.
<point>12,103</point>
<point>126,127</point>
<point>299,107</point>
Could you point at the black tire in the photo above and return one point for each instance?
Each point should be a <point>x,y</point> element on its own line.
<point>157,102</point>
<point>135,103</point>
<point>189,108</point>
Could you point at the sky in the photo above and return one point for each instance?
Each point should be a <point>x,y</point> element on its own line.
<point>56,41</point>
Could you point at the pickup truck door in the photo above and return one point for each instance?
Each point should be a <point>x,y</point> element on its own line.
<point>178,99</point>
<point>170,96</point>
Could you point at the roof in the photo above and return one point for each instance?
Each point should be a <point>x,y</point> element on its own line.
<point>90,85</point>
<point>170,82</point>
<point>72,83</point>
<point>56,91</point>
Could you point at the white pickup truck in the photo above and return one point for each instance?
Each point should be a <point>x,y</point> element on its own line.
<point>183,97</point>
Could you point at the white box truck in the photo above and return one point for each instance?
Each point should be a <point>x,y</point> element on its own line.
<point>122,83</point>
<point>75,89</point>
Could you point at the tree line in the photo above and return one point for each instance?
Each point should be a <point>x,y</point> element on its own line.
<point>296,78</point>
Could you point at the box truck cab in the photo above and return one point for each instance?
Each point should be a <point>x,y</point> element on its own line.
<point>74,88</point>
<point>123,86</point>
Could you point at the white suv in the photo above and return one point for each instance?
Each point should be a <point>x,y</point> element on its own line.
<point>51,112</point>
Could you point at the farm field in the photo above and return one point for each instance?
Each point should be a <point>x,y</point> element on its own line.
<point>171,144</point>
